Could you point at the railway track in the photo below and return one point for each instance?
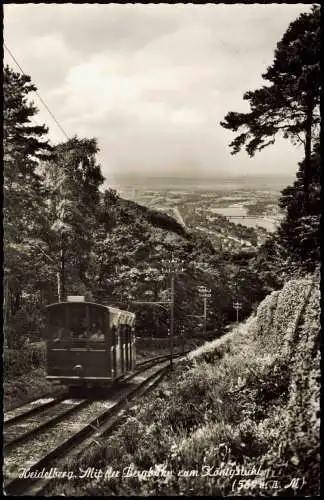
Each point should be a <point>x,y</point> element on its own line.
<point>34,448</point>
<point>48,400</point>
<point>33,402</point>
<point>19,432</point>
<point>32,408</point>
<point>160,358</point>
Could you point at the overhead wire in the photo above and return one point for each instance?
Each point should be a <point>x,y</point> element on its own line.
<point>37,93</point>
<point>44,104</point>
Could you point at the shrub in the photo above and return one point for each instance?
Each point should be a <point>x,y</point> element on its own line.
<point>19,361</point>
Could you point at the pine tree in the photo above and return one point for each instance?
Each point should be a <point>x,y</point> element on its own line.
<point>24,145</point>
<point>299,232</point>
<point>290,105</point>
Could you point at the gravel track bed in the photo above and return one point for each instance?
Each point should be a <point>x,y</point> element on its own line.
<point>26,407</point>
<point>34,421</point>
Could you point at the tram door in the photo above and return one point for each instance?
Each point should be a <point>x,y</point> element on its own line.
<point>118,351</point>
<point>113,352</point>
<point>133,347</point>
<point>122,353</point>
<point>127,346</point>
<point>130,348</point>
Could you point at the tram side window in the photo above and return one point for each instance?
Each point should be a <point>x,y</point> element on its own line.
<point>117,335</point>
<point>128,330</point>
<point>113,335</point>
<point>125,330</point>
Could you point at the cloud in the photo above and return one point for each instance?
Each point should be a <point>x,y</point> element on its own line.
<point>152,82</point>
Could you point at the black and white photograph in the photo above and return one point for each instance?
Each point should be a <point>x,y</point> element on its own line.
<point>161,249</point>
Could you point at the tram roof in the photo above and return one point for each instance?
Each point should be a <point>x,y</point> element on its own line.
<point>113,311</point>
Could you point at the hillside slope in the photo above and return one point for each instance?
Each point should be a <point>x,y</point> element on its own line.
<point>133,266</point>
<point>278,352</point>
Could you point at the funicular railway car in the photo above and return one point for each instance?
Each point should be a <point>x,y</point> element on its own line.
<point>89,344</point>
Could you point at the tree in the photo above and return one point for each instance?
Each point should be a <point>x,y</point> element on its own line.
<point>290,105</point>
<point>24,145</point>
<point>72,179</point>
<point>295,247</point>
<point>299,232</point>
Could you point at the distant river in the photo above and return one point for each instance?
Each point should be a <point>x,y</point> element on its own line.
<point>233,211</point>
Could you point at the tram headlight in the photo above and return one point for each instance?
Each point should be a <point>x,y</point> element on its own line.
<point>78,370</point>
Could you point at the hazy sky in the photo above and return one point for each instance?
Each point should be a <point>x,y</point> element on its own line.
<point>152,82</point>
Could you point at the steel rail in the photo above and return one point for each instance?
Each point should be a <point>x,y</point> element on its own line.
<point>34,411</point>
<point>19,485</point>
<point>22,438</point>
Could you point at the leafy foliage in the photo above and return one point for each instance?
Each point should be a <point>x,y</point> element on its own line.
<point>84,241</point>
<point>18,362</point>
<point>295,247</point>
<point>72,180</point>
<point>24,144</point>
<point>299,232</point>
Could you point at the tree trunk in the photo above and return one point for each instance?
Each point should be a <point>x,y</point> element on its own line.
<point>63,290</point>
<point>15,302</point>
<point>5,311</point>
<point>308,150</point>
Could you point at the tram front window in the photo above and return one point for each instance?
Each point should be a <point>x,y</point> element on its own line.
<point>59,334</point>
<point>96,333</point>
<point>79,334</point>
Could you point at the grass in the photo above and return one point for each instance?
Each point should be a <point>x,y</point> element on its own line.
<point>25,388</point>
<point>25,375</point>
<point>251,401</point>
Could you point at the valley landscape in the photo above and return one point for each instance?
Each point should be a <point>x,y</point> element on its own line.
<point>233,213</point>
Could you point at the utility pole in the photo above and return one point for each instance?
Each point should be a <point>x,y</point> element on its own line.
<point>173,266</point>
<point>205,293</point>
<point>58,277</point>
<point>62,270</point>
<point>181,329</point>
<point>237,306</point>
<point>172,317</point>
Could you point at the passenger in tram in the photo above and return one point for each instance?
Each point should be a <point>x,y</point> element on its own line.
<point>79,333</point>
<point>97,334</point>
<point>59,334</point>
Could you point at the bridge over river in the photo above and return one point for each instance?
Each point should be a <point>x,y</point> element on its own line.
<point>266,221</point>
<point>263,217</point>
